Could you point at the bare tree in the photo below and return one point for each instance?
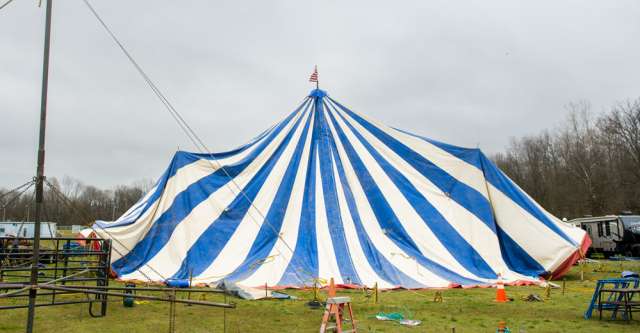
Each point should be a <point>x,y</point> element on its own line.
<point>623,128</point>
<point>588,165</point>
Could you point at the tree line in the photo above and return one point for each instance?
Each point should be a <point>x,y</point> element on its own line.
<point>588,165</point>
<point>70,201</point>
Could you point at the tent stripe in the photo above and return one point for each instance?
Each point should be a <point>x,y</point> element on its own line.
<point>497,179</point>
<point>332,207</point>
<point>275,264</point>
<point>376,259</point>
<point>182,205</point>
<point>358,257</point>
<point>267,237</point>
<point>516,257</point>
<point>304,262</point>
<point>209,245</point>
<point>460,192</point>
<point>454,243</point>
<point>395,254</point>
<point>180,160</point>
<point>389,221</point>
<point>501,182</point>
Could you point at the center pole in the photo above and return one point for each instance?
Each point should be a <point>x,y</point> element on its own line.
<point>33,292</point>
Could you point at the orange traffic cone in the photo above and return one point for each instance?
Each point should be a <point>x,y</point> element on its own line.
<point>332,289</point>
<point>501,294</point>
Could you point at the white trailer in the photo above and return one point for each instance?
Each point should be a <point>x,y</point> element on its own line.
<point>612,234</point>
<point>27,229</point>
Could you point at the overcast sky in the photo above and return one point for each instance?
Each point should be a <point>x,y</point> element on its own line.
<point>468,73</point>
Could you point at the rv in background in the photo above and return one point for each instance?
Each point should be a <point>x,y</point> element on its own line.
<point>612,234</point>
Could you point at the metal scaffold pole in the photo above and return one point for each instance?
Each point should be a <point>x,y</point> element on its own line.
<point>39,181</point>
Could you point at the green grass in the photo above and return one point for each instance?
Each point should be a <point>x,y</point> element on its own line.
<point>470,310</point>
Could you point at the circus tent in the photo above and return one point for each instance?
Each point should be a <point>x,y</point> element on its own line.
<point>329,193</point>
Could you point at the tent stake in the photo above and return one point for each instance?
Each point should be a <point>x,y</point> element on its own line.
<point>375,293</point>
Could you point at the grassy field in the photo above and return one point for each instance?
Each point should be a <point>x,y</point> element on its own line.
<point>470,310</point>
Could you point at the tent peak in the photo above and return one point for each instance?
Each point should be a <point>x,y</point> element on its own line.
<point>317,93</point>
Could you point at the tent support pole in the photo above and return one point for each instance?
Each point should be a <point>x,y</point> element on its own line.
<point>40,168</point>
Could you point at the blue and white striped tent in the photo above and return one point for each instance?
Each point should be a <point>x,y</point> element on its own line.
<point>328,192</point>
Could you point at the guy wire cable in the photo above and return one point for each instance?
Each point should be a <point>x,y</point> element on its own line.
<point>5,4</point>
<point>18,195</point>
<point>193,137</point>
<point>29,183</point>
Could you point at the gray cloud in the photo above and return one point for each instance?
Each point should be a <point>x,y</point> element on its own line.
<point>468,74</point>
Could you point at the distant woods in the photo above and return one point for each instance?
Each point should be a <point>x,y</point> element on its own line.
<point>589,165</point>
<point>83,204</point>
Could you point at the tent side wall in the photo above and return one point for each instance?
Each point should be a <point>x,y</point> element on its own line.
<point>523,224</point>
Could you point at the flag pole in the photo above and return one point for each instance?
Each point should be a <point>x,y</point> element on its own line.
<point>314,77</point>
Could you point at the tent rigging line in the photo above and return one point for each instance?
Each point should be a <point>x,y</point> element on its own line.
<point>193,137</point>
<point>29,183</point>
<point>32,199</point>
<point>25,187</point>
<point>19,194</point>
<point>5,4</point>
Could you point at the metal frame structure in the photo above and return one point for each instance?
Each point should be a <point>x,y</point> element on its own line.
<point>67,269</point>
<point>58,265</point>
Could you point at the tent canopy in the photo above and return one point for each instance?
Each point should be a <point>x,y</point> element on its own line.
<point>328,192</point>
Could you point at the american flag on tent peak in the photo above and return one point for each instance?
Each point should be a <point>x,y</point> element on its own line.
<point>314,75</point>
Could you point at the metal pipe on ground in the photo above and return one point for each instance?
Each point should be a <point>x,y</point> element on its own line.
<point>150,298</point>
<point>15,292</point>
<point>199,290</point>
<point>11,307</point>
